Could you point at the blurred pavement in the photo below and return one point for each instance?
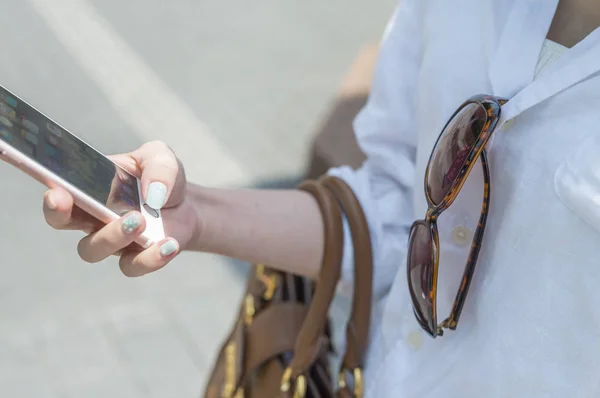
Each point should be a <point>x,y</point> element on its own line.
<point>236,88</point>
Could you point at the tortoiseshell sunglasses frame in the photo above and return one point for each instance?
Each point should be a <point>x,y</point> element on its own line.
<point>492,106</point>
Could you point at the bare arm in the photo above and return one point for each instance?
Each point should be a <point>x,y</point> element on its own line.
<point>283,229</point>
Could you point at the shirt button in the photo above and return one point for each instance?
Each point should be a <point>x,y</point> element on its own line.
<point>462,236</point>
<point>415,339</point>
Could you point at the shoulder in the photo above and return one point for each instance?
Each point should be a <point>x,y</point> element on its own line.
<point>437,21</point>
<point>479,11</point>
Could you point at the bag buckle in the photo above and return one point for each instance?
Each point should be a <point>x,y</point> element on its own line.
<point>269,281</point>
<point>300,384</point>
<point>357,385</point>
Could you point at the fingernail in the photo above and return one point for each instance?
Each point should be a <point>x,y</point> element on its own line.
<point>50,201</point>
<point>168,248</point>
<point>131,223</point>
<point>157,192</point>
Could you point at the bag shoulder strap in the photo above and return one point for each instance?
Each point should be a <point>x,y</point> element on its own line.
<point>309,342</point>
<point>357,328</point>
<point>333,195</point>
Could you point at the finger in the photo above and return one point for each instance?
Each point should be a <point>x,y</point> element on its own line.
<point>128,163</point>
<point>112,238</point>
<point>161,171</point>
<point>61,213</point>
<point>58,208</point>
<point>134,264</point>
<point>58,205</point>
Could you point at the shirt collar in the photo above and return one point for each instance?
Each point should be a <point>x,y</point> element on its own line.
<point>576,65</point>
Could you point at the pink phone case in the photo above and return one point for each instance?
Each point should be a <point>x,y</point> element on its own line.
<point>154,230</point>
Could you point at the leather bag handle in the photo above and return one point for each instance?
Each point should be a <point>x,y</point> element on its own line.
<point>357,328</point>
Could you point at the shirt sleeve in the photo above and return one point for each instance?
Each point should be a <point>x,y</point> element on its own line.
<point>386,132</point>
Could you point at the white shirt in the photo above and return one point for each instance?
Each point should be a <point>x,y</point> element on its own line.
<point>531,323</point>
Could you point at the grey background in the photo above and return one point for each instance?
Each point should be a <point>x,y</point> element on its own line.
<point>258,74</point>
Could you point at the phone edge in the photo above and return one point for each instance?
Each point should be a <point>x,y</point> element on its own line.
<point>51,180</point>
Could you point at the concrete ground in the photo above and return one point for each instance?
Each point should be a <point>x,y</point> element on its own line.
<point>236,88</point>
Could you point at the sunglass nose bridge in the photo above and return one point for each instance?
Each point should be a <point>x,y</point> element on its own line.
<point>431,214</point>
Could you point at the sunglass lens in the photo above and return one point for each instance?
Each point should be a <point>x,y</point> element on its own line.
<point>421,273</point>
<point>452,149</point>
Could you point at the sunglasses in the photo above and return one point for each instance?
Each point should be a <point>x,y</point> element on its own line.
<point>461,143</point>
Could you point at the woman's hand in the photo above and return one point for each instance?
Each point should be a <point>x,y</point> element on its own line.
<point>164,187</point>
<point>279,227</point>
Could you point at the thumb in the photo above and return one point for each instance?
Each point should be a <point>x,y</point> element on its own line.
<point>161,174</point>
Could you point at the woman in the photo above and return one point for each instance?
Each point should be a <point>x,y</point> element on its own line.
<point>530,326</point>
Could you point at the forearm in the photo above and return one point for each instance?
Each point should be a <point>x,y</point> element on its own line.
<point>280,228</point>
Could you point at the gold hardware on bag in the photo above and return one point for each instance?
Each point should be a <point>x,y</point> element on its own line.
<point>299,307</point>
<point>249,309</point>
<point>269,281</point>
<point>260,270</point>
<point>286,384</point>
<point>229,384</point>
<point>286,381</point>
<point>239,394</point>
<point>358,382</point>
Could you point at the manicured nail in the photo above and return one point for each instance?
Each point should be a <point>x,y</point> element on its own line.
<point>50,201</point>
<point>131,223</point>
<point>157,193</point>
<point>168,248</point>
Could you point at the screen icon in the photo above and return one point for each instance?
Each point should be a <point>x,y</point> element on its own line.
<point>30,126</point>
<point>6,134</point>
<point>7,111</point>
<point>52,140</point>
<point>32,138</point>
<point>29,137</point>
<point>6,122</point>
<point>54,129</point>
<point>8,99</point>
<point>50,150</point>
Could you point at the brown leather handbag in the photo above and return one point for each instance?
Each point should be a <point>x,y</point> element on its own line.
<point>280,344</point>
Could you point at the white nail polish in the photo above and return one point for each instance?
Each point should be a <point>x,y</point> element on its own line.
<point>157,193</point>
<point>168,248</point>
<point>131,223</point>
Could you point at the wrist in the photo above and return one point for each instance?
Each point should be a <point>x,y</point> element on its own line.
<point>282,227</point>
<point>200,204</point>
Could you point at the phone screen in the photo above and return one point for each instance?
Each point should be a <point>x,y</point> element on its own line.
<point>36,136</point>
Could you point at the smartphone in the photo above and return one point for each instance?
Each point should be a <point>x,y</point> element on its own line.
<point>55,157</point>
